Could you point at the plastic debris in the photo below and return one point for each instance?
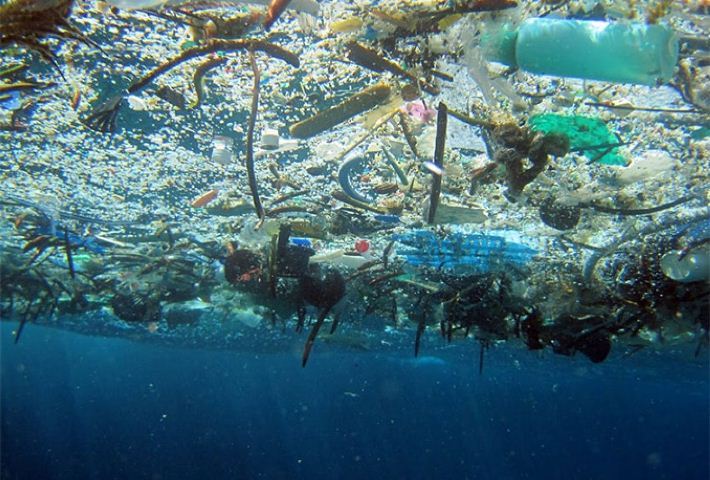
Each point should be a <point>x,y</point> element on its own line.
<point>475,251</point>
<point>455,214</point>
<point>205,199</point>
<point>687,267</point>
<point>362,245</point>
<point>222,150</point>
<point>582,132</point>
<point>301,242</point>
<point>358,103</point>
<point>645,166</point>
<point>626,52</point>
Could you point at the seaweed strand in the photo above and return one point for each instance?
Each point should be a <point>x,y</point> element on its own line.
<point>370,59</point>
<point>67,249</point>
<point>475,122</point>
<point>199,76</point>
<point>639,211</point>
<point>103,116</point>
<point>213,46</point>
<point>251,174</point>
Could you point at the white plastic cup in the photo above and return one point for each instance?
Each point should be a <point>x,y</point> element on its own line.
<point>270,139</point>
<point>222,150</point>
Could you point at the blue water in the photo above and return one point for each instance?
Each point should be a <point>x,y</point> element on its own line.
<point>75,407</point>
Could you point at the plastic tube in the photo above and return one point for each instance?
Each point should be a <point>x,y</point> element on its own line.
<point>623,52</point>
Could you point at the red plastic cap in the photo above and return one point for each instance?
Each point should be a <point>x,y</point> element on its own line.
<point>362,246</point>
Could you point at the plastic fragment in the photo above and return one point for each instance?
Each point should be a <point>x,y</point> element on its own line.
<point>326,119</point>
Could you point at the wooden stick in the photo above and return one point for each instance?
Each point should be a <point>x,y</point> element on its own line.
<point>199,76</point>
<point>441,118</point>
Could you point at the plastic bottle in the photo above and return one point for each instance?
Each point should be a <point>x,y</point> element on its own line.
<point>624,52</point>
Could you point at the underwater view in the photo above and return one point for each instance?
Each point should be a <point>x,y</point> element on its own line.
<point>411,239</point>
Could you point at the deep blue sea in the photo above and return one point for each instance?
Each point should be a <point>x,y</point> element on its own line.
<point>76,407</point>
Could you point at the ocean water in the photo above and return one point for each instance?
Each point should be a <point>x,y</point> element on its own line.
<point>77,407</point>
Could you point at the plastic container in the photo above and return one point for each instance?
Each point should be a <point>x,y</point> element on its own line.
<point>462,251</point>
<point>624,52</point>
<point>270,139</point>
<point>692,267</point>
<point>222,150</point>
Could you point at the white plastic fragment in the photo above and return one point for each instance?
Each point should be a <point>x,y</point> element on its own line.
<point>338,257</point>
<point>137,103</point>
<point>222,150</point>
<point>455,214</point>
<point>433,168</point>
<point>645,166</point>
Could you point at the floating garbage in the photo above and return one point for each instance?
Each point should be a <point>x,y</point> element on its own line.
<point>341,214</point>
<point>222,150</point>
<point>455,214</point>
<point>205,199</point>
<point>462,251</point>
<point>693,266</point>
<point>645,166</point>
<point>586,134</point>
<point>270,139</point>
<point>340,258</point>
<point>306,6</point>
<point>691,263</point>
<point>625,52</point>
<point>358,103</point>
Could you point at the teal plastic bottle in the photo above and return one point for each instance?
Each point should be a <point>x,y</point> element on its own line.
<point>623,52</point>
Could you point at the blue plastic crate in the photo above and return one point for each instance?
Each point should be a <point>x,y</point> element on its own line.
<point>475,251</point>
